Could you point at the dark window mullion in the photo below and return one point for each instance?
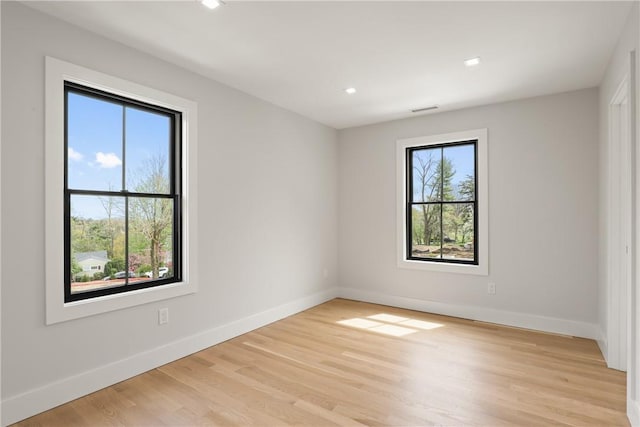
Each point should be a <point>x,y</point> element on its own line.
<point>174,153</point>
<point>67,244</point>
<point>124,148</point>
<point>175,185</point>
<point>95,193</point>
<point>126,197</point>
<point>441,199</point>
<point>449,202</point>
<point>475,204</point>
<point>126,240</point>
<point>409,207</point>
<point>67,202</point>
<point>115,99</point>
<point>119,194</point>
<point>146,195</point>
<point>122,194</point>
<point>475,232</point>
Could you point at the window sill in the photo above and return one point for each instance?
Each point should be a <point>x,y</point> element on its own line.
<point>62,312</point>
<point>479,270</point>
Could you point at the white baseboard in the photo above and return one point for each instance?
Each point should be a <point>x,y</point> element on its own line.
<point>602,343</point>
<point>633,412</point>
<point>508,318</point>
<point>34,401</point>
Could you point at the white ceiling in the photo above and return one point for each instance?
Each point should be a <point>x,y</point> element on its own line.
<point>399,55</point>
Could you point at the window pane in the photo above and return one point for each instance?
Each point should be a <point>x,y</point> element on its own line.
<point>94,143</point>
<point>459,234</point>
<point>148,151</point>
<point>425,235</point>
<point>97,242</point>
<point>425,174</point>
<point>151,238</point>
<point>459,172</point>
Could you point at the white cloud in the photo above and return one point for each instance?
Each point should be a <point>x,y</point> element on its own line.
<point>108,160</point>
<point>74,155</point>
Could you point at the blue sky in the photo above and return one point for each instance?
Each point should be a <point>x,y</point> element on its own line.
<point>95,149</point>
<point>462,159</point>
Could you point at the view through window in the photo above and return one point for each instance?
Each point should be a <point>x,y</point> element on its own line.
<point>122,194</point>
<point>442,203</point>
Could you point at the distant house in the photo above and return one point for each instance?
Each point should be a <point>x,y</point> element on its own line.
<point>91,262</point>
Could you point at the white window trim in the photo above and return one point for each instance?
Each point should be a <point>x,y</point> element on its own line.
<point>483,204</point>
<point>56,73</point>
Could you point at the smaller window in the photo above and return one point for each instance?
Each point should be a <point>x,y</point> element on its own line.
<point>442,209</point>
<point>442,203</point>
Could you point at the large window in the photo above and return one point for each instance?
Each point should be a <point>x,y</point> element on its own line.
<point>441,202</point>
<point>442,194</point>
<point>122,193</point>
<point>120,196</point>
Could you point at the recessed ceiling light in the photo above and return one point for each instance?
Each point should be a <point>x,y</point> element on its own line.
<point>212,4</point>
<point>472,62</point>
<point>350,90</point>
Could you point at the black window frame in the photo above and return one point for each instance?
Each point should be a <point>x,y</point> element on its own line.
<point>175,193</point>
<point>409,203</point>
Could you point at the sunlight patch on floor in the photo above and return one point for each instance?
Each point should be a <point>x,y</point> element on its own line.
<point>396,331</point>
<point>360,323</point>
<point>405,321</point>
<point>389,324</point>
<point>381,328</point>
<point>389,318</point>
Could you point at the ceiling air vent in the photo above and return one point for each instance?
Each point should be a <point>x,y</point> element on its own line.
<point>420,110</point>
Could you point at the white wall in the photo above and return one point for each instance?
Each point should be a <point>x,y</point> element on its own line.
<point>617,68</point>
<point>267,219</point>
<point>256,215</point>
<point>543,187</point>
<point>0,217</point>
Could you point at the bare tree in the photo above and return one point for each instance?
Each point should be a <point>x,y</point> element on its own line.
<point>427,171</point>
<point>111,208</point>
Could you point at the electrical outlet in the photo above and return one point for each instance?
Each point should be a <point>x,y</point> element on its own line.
<point>163,316</point>
<point>491,289</point>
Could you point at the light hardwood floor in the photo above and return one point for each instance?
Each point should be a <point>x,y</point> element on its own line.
<point>350,363</point>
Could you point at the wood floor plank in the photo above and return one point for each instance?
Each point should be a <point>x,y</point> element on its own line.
<point>347,363</point>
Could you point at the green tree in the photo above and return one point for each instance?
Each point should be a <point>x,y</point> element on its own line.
<point>444,176</point>
<point>75,267</point>
<point>114,223</point>
<point>152,217</point>
<point>454,220</point>
<point>89,235</point>
<point>113,266</point>
<point>417,222</point>
<point>466,190</point>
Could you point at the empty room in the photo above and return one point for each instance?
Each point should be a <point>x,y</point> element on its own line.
<point>317,213</point>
